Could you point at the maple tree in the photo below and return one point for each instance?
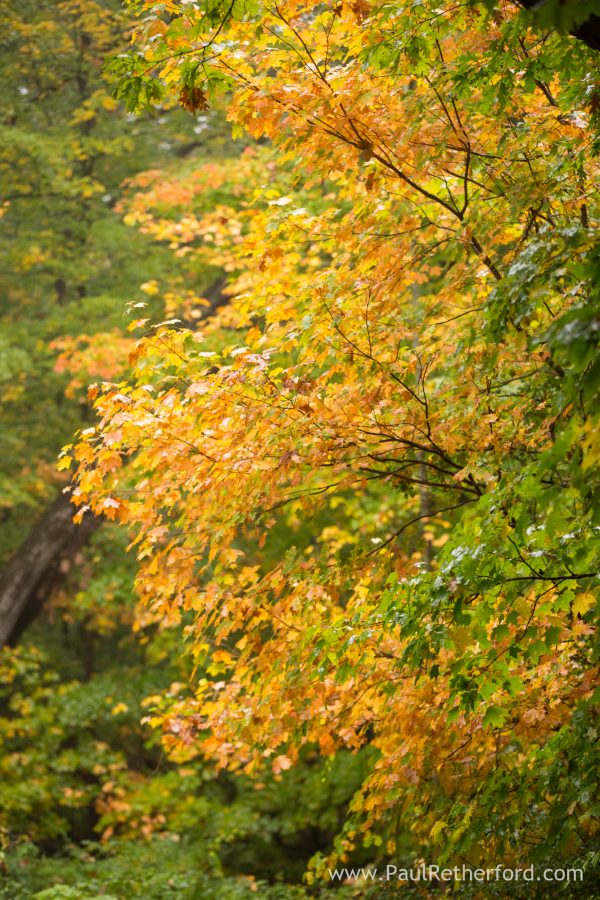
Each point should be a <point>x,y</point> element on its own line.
<point>357,461</point>
<point>89,804</point>
<point>407,362</point>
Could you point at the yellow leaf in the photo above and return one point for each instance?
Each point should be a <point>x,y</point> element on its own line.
<point>582,603</point>
<point>436,832</point>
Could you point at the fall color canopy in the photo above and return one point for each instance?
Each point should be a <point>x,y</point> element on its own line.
<point>410,364</point>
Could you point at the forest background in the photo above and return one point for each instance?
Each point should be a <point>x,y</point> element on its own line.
<point>308,293</point>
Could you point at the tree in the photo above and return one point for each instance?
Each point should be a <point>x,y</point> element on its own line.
<point>33,571</point>
<point>71,265</point>
<point>414,370</point>
<point>89,804</point>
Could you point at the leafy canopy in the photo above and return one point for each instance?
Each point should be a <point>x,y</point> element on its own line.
<point>408,363</point>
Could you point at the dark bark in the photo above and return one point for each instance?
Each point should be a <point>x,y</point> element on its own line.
<point>216,298</point>
<point>38,565</point>
<point>588,31</point>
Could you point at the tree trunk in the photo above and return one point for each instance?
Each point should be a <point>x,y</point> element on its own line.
<point>34,570</point>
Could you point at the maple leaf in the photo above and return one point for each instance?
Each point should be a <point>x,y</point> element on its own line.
<point>193,99</point>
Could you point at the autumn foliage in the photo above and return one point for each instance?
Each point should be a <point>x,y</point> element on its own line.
<point>365,479</point>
